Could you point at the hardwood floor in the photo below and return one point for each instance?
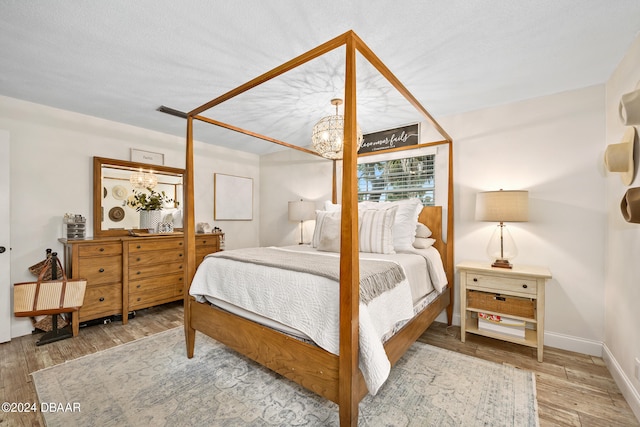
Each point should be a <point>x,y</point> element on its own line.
<point>572,389</point>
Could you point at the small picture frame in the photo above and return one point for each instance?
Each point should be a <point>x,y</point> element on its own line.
<point>149,157</point>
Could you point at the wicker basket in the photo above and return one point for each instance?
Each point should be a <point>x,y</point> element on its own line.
<point>503,304</point>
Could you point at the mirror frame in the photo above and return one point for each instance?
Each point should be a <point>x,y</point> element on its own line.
<point>98,164</point>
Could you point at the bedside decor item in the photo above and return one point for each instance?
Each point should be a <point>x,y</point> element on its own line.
<point>629,108</point>
<point>630,205</point>
<point>502,206</point>
<point>328,134</point>
<point>619,157</point>
<point>203,227</point>
<point>301,211</point>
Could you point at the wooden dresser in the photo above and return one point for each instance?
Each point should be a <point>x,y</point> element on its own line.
<point>125,274</point>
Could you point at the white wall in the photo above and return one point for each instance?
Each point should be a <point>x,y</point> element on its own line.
<point>51,173</point>
<point>552,147</point>
<point>287,176</point>
<point>622,298</point>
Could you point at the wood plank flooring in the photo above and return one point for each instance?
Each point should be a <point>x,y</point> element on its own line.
<point>572,389</point>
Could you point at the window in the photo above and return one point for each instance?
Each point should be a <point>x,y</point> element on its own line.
<point>397,179</point>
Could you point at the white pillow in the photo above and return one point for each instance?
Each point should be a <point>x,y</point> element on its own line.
<point>376,230</point>
<point>404,227</point>
<point>317,232</point>
<point>330,234</point>
<point>329,206</point>
<point>423,242</point>
<point>423,231</point>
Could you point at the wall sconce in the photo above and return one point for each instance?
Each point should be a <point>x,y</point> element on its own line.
<point>502,206</point>
<point>301,211</point>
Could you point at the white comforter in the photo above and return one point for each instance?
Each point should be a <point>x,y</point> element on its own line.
<point>308,303</point>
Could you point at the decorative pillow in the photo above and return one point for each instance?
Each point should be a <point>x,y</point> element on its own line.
<point>423,231</point>
<point>330,234</point>
<point>317,232</point>
<point>329,206</point>
<point>404,227</point>
<point>423,242</point>
<point>376,230</point>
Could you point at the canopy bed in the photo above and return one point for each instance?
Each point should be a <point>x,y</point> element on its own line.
<point>334,375</point>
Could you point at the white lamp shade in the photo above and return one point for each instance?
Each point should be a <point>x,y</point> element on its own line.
<point>502,206</point>
<point>301,210</point>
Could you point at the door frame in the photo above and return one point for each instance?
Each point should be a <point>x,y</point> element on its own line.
<point>6,316</point>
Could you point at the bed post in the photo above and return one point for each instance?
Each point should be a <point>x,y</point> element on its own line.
<point>450,239</point>
<point>348,394</point>
<point>189,238</point>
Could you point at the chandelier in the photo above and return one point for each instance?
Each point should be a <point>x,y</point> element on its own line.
<point>142,180</point>
<point>328,135</point>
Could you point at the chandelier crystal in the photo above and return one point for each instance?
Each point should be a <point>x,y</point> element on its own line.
<point>142,180</point>
<point>328,135</point>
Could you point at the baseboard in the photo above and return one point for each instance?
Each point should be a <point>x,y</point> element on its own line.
<point>631,395</point>
<point>571,343</point>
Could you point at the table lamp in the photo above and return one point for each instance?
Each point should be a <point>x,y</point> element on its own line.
<point>301,211</point>
<point>502,206</point>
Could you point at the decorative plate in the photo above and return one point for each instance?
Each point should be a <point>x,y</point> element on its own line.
<point>116,214</point>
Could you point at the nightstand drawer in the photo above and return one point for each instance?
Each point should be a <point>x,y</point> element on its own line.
<point>499,303</point>
<point>498,283</point>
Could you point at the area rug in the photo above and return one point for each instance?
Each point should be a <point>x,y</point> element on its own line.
<point>151,382</point>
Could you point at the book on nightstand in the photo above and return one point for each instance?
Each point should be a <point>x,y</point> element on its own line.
<point>501,325</point>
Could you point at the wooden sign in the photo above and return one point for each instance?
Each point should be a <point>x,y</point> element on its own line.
<point>392,138</point>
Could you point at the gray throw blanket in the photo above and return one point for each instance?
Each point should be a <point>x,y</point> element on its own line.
<point>376,276</point>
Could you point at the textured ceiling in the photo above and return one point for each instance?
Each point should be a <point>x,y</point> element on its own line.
<point>120,59</point>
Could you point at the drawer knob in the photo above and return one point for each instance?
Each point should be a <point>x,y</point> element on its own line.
<point>101,299</point>
<point>138,286</point>
<point>101,270</point>
<point>138,247</point>
<point>180,267</point>
<point>101,249</point>
<point>138,272</point>
<point>525,286</point>
<point>137,259</point>
<point>180,254</point>
<point>138,299</point>
<point>475,279</point>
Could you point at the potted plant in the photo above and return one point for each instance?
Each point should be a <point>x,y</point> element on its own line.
<point>149,204</point>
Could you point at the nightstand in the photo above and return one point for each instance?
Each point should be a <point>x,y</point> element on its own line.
<point>516,293</point>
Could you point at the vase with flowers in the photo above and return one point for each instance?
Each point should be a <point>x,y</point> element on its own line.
<point>149,204</point>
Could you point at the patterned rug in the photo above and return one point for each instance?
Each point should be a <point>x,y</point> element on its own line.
<point>151,382</point>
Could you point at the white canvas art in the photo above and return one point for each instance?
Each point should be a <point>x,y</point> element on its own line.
<point>232,197</point>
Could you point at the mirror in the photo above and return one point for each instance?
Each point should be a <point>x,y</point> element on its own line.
<point>114,183</point>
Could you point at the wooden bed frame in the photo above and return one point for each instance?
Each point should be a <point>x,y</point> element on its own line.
<point>336,378</point>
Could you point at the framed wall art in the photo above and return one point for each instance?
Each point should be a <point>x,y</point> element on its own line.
<point>232,198</point>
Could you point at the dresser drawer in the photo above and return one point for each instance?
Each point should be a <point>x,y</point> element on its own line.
<point>152,285</point>
<point>143,245</point>
<point>521,285</point>
<point>143,270</point>
<point>144,293</point>
<point>101,249</point>
<point>101,301</point>
<point>100,270</point>
<point>152,258</point>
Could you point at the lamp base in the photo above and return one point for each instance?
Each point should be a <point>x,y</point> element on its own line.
<point>502,263</point>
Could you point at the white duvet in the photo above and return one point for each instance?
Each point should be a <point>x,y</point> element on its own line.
<point>310,304</point>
